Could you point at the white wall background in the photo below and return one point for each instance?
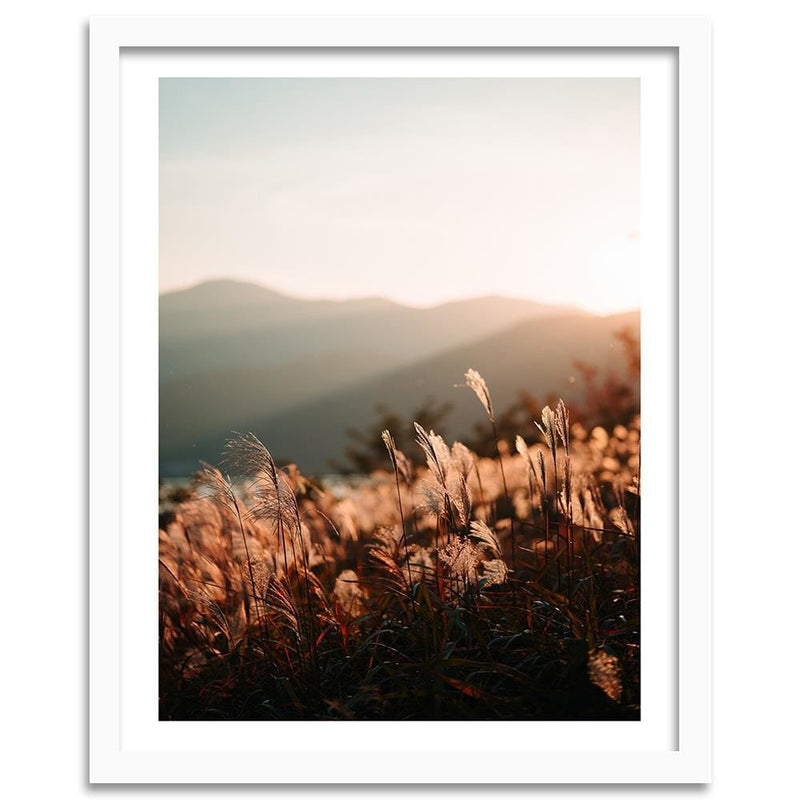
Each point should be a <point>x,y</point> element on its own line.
<point>43,146</point>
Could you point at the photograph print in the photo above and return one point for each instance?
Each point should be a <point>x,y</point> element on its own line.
<point>399,420</point>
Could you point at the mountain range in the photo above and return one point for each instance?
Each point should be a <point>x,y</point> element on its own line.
<point>240,357</point>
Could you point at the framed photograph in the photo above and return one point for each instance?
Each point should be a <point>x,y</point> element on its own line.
<point>399,361</point>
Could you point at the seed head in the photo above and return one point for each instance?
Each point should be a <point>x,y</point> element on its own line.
<point>478,385</point>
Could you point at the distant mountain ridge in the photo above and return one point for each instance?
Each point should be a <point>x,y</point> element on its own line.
<point>238,304</point>
<point>300,372</point>
<point>225,324</point>
<point>537,356</point>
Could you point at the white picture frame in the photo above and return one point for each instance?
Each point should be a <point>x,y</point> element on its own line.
<point>119,569</point>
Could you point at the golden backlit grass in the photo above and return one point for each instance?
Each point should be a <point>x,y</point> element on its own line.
<point>464,588</point>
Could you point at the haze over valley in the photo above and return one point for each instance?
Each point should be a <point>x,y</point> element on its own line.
<point>237,356</point>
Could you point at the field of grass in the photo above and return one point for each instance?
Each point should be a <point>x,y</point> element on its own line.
<point>446,586</point>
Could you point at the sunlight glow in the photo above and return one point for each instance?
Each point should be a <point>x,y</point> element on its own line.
<point>418,190</point>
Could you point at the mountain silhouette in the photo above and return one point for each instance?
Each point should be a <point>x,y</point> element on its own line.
<point>299,373</point>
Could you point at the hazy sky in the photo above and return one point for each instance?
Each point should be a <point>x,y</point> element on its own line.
<point>417,189</point>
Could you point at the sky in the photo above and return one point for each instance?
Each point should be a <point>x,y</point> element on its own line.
<point>421,190</point>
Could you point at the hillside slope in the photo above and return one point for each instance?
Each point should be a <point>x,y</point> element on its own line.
<point>226,324</point>
<point>536,355</point>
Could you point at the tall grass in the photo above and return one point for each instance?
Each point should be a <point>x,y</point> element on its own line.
<point>406,596</point>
